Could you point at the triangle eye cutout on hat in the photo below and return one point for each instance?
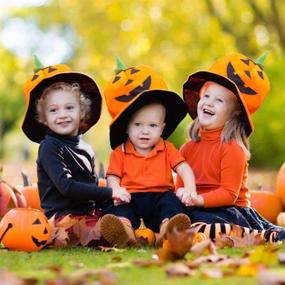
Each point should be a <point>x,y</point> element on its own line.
<point>238,81</point>
<point>137,90</point>
<point>37,75</point>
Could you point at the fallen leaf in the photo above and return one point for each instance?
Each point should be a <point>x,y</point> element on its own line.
<point>266,255</point>
<point>147,262</point>
<point>109,249</point>
<point>281,257</point>
<point>8,278</point>
<point>267,277</point>
<point>213,273</point>
<point>178,270</point>
<point>204,247</point>
<point>85,232</point>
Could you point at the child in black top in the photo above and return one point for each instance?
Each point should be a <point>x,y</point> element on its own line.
<point>62,105</point>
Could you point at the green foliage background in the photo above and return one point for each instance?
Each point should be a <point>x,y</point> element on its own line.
<point>174,39</point>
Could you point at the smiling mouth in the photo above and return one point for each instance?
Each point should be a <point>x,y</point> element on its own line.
<point>37,242</point>
<point>208,112</point>
<point>63,123</point>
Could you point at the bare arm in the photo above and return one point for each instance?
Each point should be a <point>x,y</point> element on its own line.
<point>188,192</point>
<point>120,194</point>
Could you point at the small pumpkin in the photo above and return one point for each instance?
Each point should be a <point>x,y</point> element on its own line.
<point>8,199</point>
<point>145,234</point>
<point>31,193</point>
<point>24,229</point>
<point>280,184</point>
<point>281,219</point>
<point>267,204</point>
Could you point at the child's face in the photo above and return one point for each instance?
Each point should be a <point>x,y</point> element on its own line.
<point>216,106</point>
<point>146,126</point>
<point>62,112</point>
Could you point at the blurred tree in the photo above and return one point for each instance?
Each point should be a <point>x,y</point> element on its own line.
<point>176,41</point>
<point>265,18</point>
<point>11,104</point>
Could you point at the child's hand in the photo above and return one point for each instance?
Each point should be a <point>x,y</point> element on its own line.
<point>121,196</point>
<point>186,196</point>
<point>198,201</point>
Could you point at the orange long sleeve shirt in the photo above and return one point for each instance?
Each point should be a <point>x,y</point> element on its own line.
<point>220,170</point>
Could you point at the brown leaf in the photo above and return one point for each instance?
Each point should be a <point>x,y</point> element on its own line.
<point>281,257</point>
<point>237,238</point>
<point>106,277</point>
<point>8,278</point>
<point>267,277</point>
<point>178,270</point>
<point>179,244</point>
<point>108,249</point>
<point>204,247</point>
<point>86,233</point>
<point>224,241</point>
<point>213,273</point>
<point>147,262</point>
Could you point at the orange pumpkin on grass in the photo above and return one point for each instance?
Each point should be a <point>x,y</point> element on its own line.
<point>280,184</point>
<point>145,234</point>
<point>10,197</point>
<point>31,193</point>
<point>266,204</point>
<point>24,229</point>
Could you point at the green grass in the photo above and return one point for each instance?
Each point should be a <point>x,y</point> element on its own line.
<point>38,265</point>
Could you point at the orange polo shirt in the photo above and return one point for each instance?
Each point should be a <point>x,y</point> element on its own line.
<point>151,173</point>
<point>220,170</point>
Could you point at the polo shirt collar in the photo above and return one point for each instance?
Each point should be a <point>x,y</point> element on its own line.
<point>130,149</point>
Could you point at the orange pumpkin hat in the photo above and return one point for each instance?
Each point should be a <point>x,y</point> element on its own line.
<point>238,73</point>
<point>46,76</point>
<point>134,87</point>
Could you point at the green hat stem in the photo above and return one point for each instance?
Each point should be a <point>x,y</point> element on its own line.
<point>261,58</point>
<point>120,65</point>
<point>38,64</point>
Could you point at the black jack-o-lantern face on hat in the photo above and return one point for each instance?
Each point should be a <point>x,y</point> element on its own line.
<point>241,75</point>
<point>131,88</point>
<point>24,229</point>
<point>42,78</point>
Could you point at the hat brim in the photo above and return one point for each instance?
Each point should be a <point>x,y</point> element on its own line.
<point>34,130</point>
<point>175,107</point>
<point>191,94</point>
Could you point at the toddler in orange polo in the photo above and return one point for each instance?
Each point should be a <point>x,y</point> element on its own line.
<point>144,114</point>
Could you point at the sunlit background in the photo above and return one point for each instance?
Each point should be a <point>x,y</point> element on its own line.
<point>175,40</point>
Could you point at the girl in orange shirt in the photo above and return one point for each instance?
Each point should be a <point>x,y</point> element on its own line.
<point>221,102</point>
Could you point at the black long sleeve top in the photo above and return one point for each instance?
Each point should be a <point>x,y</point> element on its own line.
<point>67,180</point>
